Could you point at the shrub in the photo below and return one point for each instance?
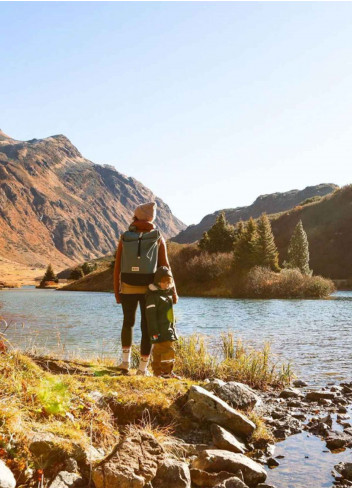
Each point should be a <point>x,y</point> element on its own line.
<point>76,274</point>
<point>179,255</point>
<point>289,283</point>
<point>88,267</point>
<point>208,267</point>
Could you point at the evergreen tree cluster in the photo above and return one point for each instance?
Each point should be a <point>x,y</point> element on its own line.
<point>253,244</point>
<point>219,238</point>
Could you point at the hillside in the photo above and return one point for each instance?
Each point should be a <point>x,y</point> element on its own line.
<point>328,224</point>
<point>271,204</point>
<point>57,206</point>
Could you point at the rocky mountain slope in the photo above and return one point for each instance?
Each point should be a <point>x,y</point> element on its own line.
<point>328,224</point>
<point>271,204</point>
<point>57,206</point>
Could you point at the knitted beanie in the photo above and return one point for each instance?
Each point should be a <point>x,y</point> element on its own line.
<point>146,212</point>
<point>160,273</point>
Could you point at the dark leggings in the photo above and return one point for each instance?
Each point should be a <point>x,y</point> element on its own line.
<point>129,307</point>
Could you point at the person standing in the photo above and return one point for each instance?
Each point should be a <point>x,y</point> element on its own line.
<point>141,250</point>
<point>161,323</point>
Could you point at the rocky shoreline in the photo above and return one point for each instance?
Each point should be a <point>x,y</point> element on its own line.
<point>223,442</point>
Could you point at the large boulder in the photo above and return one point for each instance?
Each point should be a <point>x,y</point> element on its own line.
<point>134,464</point>
<point>222,460</point>
<point>201,478</point>
<point>67,479</point>
<point>205,406</point>
<point>225,440</point>
<point>238,395</point>
<point>7,478</point>
<point>172,473</point>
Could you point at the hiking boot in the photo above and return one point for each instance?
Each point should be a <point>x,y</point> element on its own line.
<point>125,366</point>
<point>145,373</point>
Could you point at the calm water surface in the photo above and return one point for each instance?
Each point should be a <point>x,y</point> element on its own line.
<point>315,335</point>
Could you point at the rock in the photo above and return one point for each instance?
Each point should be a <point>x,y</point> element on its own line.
<point>232,482</point>
<point>7,479</point>
<point>346,389</point>
<point>172,473</point>
<point>238,395</point>
<point>345,469</point>
<point>342,409</point>
<point>210,479</point>
<point>290,393</point>
<point>299,383</point>
<point>259,456</point>
<point>226,441</point>
<point>299,416</point>
<point>71,465</point>
<point>348,431</point>
<point>294,403</point>
<point>190,449</point>
<point>67,479</point>
<point>89,455</point>
<point>338,439</point>
<point>134,464</point>
<point>205,406</point>
<point>315,396</point>
<point>223,460</point>
<point>272,462</point>
<point>343,417</point>
<point>47,445</point>
<point>281,434</point>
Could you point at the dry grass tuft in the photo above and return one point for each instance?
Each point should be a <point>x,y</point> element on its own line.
<point>236,361</point>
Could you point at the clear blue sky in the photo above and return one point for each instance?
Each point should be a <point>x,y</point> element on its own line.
<point>208,104</point>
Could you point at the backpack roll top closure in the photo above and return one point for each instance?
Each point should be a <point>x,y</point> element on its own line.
<point>139,257</point>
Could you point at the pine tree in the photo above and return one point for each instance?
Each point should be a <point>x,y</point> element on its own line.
<point>220,236</point>
<point>298,250</point>
<point>245,246</point>
<point>204,242</point>
<point>266,251</point>
<point>49,276</point>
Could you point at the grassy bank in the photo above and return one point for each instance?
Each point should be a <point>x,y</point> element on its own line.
<point>84,404</point>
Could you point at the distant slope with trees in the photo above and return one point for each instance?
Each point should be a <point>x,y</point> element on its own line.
<point>270,204</point>
<point>328,224</point>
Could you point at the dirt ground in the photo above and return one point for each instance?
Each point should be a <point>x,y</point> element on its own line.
<point>17,274</point>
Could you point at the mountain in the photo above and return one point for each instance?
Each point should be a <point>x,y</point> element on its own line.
<point>270,203</point>
<point>328,224</point>
<point>56,206</point>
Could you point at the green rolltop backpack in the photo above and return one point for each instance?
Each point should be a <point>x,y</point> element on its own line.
<point>139,260</point>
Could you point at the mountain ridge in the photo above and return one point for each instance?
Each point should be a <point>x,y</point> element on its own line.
<point>269,203</point>
<point>57,206</point>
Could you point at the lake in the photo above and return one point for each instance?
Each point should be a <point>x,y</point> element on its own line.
<point>314,335</point>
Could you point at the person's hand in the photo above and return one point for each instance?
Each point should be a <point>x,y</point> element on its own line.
<point>118,298</point>
<point>175,298</point>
